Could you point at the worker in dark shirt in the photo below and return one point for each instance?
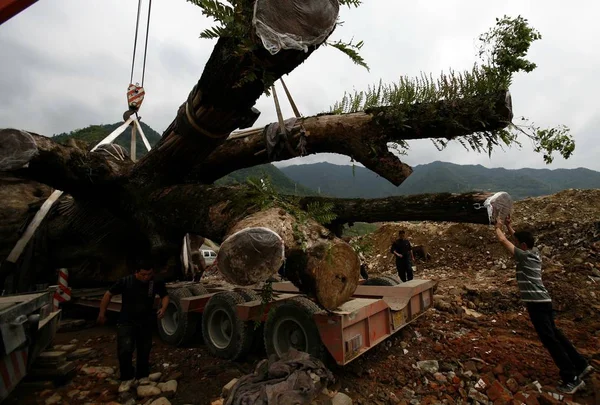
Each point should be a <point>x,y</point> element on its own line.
<point>402,249</point>
<point>136,320</point>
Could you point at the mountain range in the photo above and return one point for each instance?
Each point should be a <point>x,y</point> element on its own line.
<point>438,177</point>
<point>358,182</point>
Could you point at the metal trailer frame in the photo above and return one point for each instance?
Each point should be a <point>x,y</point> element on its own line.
<point>372,315</point>
<point>27,327</point>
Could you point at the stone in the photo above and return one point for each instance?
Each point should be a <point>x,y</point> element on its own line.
<point>393,399</point>
<point>125,386</point>
<point>217,402</point>
<point>440,377</point>
<point>97,370</point>
<point>500,395</point>
<point>161,401</point>
<point>498,370</point>
<point>512,385</point>
<point>227,388</point>
<point>144,381</point>
<point>130,401</point>
<point>407,393</point>
<point>145,391</point>
<point>54,399</point>
<point>470,366</point>
<point>68,348</point>
<point>477,396</point>
<point>428,366</point>
<point>80,353</point>
<point>341,399</point>
<point>168,388</point>
<point>547,399</point>
<point>155,376</point>
<point>596,272</point>
<point>52,357</point>
<point>83,395</point>
<point>72,393</point>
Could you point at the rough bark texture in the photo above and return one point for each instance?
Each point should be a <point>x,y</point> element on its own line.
<point>425,207</point>
<point>220,102</point>
<point>114,213</point>
<point>364,136</point>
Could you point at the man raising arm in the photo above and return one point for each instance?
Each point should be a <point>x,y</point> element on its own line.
<point>573,367</point>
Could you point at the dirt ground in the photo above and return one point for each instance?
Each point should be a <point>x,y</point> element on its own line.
<point>479,334</point>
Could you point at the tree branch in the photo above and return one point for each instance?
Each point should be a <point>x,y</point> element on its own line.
<point>364,135</point>
<point>233,79</point>
<point>425,207</point>
<point>68,168</point>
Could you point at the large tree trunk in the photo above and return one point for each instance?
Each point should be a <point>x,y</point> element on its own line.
<point>114,212</point>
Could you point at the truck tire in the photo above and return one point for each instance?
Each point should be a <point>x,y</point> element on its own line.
<point>197,289</point>
<point>291,325</point>
<point>177,327</point>
<point>225,335</point>
<point>381,281</point>
<point>248,295</point>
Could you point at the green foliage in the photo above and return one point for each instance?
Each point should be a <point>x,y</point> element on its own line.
<point>361,245</point>
<point>263,195</point>
<point>321,212</point>
<point>351,50</point>
<point>503,49</point>
<point>234,19</point>
<point>548,141</point>
<point>266,296</point>
<point>93,134</point>
<point>280,182</point>
<point>359,229</point>
<point>350,3</point>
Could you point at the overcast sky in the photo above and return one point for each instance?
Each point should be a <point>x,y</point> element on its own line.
<point>65,65</point>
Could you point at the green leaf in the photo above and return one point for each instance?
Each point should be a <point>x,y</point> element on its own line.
<point>351,50</point>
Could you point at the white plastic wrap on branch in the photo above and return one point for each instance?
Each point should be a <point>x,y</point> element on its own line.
<point>250,256</point>
<point>16,149</point>
<point>499,206</point>
<point>294,24</point>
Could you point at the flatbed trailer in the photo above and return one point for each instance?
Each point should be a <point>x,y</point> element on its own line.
<point>234,320</point>
<point>28,324</point>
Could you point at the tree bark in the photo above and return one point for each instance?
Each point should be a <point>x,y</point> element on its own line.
<point>69,168</point>
<point>364,135</point>
<point>222,99</point>
<point>443,207</point>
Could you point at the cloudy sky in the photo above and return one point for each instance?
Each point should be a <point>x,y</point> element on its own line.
<point>66,64</point>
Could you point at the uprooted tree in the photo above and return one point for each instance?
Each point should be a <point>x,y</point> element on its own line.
<point>115,211</point>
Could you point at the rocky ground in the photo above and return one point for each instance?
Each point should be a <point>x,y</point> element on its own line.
<point>476,346</point>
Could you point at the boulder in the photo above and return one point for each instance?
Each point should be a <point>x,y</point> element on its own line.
<point>145,391</point>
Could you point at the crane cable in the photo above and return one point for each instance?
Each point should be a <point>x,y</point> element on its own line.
<point>135,40</point>
<point>135,93</point>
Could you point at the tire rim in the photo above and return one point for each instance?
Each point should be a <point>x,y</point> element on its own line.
<point>220,328</point>
<point>170,321</point>
<point>288,334</point>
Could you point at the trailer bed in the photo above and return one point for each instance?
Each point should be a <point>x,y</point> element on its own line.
<point>372,315</point>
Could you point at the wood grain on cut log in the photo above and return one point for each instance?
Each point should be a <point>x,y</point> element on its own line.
<point>319,264</point>
<point>364,135</point>
<point>231,83</point>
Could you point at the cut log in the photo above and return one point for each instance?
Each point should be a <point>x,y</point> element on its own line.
<point>320,265</point>
<point>364,135</point>
<point>328,271</point>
